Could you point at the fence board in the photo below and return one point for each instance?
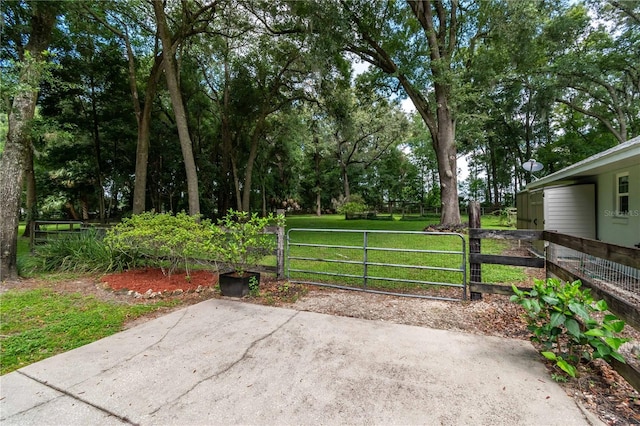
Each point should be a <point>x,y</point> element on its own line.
<point>494,259</point>
<point>504,234</point>
<point>628,256</point>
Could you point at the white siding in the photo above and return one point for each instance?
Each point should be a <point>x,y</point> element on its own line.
<point>571,210</point>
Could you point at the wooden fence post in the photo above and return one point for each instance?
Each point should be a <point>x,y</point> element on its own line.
<point>475,269</point>
<point>280,253</point>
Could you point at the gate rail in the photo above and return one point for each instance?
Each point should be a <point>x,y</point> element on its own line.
<point>368,259</point>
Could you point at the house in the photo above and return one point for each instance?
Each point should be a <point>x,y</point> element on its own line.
<point>597,198</point>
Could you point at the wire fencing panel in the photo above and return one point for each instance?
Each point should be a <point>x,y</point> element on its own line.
<point>619,279</point>
<point>405,263</point>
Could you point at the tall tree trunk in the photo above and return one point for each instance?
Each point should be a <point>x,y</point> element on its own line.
<point>143,114</point>
<point>142,148</point>
<point>97,154</point>
<point>30,178</point>
<point>226,189</point>
<point>178,109</point>
<point>447,157</point>
<point>318,204</point>
<point>16,148</point>
<point>318,183</point>
<point>248,172</point>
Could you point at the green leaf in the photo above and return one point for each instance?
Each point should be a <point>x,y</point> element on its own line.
<point>579,309</point>
<point>566,367</point>
<point>618,357</point>
<point>550,300</point>
<point>557,319</point>
<point>615,342</point>
<point>595,332</point>
<point>549,355</point>
<point>601,305</point>
<point>616,326</point>
<point>572,327</point>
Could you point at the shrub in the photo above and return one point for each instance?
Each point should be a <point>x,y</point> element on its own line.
<point>163,240</point>
<point>355,204</point>
<point>243,241</point>
<point>559,316</point>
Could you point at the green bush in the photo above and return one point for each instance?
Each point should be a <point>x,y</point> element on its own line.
<point>243,241</point>
<point>163,240</point>
<point>559,316</point>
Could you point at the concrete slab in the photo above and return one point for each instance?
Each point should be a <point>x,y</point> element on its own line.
<point>227,362</point>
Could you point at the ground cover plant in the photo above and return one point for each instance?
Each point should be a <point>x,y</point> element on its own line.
<point>39,323</point>
<point>560,316</point>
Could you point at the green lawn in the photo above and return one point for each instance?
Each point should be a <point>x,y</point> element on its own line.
<point>37,324</point>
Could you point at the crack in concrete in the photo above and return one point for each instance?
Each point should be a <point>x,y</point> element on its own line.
<point>158,341</point>
<point>74,397</point>
<point>231,365</point>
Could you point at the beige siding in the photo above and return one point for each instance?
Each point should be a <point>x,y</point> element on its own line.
<point>571,210</point>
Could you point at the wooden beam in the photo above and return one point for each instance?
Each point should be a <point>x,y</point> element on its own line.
<point>505,234</point>
<point>629,372</point>
<point>475,268</point>
<point>628,256</point>
<point>494,259</point>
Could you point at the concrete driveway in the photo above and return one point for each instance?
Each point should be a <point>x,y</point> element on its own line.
<point>227,362</point>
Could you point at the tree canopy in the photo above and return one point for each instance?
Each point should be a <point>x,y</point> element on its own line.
<point>121,106</point>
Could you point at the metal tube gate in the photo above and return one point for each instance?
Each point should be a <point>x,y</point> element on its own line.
<point>403,263</point>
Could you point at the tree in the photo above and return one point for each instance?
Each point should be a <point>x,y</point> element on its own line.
<point>32,67</point>
<point>364,129</point>
<point>119,18</point>
<point>597,69</point>
<point>171,74</point>
<point>420,46</point>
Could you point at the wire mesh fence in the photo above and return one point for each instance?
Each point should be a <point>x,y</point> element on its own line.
<point>621,279</point>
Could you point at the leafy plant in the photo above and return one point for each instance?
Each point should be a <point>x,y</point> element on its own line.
<point>78,252</point>
<point>508,216</point>
<point>163,240</point>
<point>355,204</point>
<point>254,286</point>
<point>243,241</point>
<point>559,316</point>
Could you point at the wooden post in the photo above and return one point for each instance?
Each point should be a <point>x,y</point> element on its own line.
<point>475,270</point>
<point>280,253</point>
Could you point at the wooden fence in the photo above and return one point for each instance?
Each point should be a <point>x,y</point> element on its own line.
<point>44,230</point>
<point>47,230</point>
<point>628,256</point>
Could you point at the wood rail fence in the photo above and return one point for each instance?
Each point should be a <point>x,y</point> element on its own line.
<point>626,310</point>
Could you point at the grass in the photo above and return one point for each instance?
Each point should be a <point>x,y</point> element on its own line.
<point>40,323</point>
